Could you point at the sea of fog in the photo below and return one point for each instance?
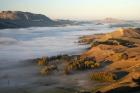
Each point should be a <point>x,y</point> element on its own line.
<point>34,42</point>
<point>27,43</point>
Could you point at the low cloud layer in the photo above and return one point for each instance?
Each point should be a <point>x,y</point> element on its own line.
<point>41,41</point>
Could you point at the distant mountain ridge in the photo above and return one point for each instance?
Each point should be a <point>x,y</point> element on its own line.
<point>18,19</point>
<point>112,20</point>
<point>18,15</point>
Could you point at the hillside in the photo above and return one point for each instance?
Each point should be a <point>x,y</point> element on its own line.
<point>17,19</point>
<point>122,49</point>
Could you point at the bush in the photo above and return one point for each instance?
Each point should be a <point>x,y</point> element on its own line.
<point>121,56</point>
<point>45,71</point>
<point>42,61</point>
<point>118,56</point>
<point>95,43</point>
<point>97,65</point>
<point>114,42</point>
<point>125,56</point>
<point>48,69</point>
<point>108,42</point>
<point>66,71</point>
<point>125,43</point>
<point>103,76</point>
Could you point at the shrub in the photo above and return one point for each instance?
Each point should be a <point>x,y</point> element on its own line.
<point>88,64</point>
<point>48,69</point>
<point>118,56</point>
<point>97,65</point>
<point>114,42</point>
<point>125,43</point>
<point>125,56</point>
<point>42,61</point>
<point>107,42</point>
<point>103,76</point>
<point>45,71</point>
<point>66,71</point>
<point>95,43</point>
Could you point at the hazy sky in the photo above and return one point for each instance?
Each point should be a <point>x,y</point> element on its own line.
<point>77,9</point>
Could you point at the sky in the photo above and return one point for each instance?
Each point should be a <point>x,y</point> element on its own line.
<point>77,9</point>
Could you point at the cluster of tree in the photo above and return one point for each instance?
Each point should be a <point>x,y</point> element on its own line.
<point>81,64</point>
<point>47,68</point>
<point>73,63</point>
<point>46,60</point>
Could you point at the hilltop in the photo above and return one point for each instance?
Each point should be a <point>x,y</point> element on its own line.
<point>130,33</point>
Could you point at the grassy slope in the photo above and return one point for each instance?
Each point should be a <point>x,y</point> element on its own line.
<point>113,52</point>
